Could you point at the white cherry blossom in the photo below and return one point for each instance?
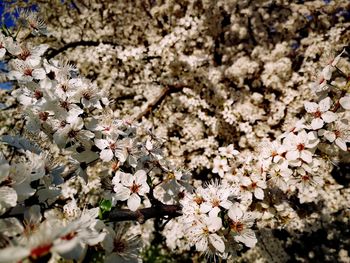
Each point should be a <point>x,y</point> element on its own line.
<point>130,187</point>
<point>320,113</point>
<point>240,223</point>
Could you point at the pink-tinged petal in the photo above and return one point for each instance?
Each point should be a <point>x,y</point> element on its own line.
<point>317,124</point>
<point>306,156</point>
<point>101,144</point>
<point>259,193</point>
<point>134,202</point>
<point>341,144</point>
<point>127,179</point>
<point>311,107</point>
<point>235,213</point>
<point>217,242</point>
<point>122,193</point>
<point>325,104</point>
<point>345,102</point>
<point>106,155</point>
<point>292,155</point>
<point>329,116</point>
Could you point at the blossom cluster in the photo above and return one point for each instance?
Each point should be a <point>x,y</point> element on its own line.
<point>40,217</point>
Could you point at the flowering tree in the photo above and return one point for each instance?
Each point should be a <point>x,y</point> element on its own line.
<point>79,181</point>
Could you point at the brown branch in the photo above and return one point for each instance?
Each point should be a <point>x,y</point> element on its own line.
<point>141,215</point>
<point>158,100</point>
<point>51,52</point>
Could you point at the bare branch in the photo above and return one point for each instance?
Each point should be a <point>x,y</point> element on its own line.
<point>141,215</point>
<point>51,52</point>
<point>158,100</point>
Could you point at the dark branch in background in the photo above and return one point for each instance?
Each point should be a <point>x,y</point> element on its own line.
<point>141,215</point>
<point>158,100</point>
<point>51,52</point>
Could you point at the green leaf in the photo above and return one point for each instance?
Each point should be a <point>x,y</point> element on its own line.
<point>105,205</point>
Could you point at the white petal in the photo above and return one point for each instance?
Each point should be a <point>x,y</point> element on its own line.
<point>306,156</point>
<point>329,116</point>
<point>144,189</point>
<point>2,52</point>
<point>292,155</point>
<point>140,177</point>
<point>248,238</point>
<point>106,155</point>
<point>330,136</point>
<point>217,242</point>
<point>235,213</point>
<point>325,104</point>
<point>214,212</point>
<point>202,244</point>
<point>121,154</point>
<point>101,144</point>
<point>345,102</point>
<point>317,123</point>
<point>39,73</point>
<point>13,254</point>
<point>127,179</point>
<point>213,223</point>
<point>341,144</point>
<point>122,193</point>
<point>311,107</point>
<point>134,202</point>
<point>327,72</point>
<point>205,207</point>
<point>259,193</point>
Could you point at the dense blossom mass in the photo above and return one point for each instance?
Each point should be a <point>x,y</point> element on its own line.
<point>79,166</point>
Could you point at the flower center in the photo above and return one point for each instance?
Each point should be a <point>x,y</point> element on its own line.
<point>300,147</point>
<point>87,95</point>
<point>317,114</point>
<point>72,133</point>
<point>40,251</point>
<point>236,226</point>
<point>38,94</point>
<point>135,188</point>
<point>215,202</point>
<point>24,54</point>
<point>43,116</point>
<point>198,200</point>
<point>119,246</point>
<point>337,133</point>
<point>65,105</point>
<point>28,71</point>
